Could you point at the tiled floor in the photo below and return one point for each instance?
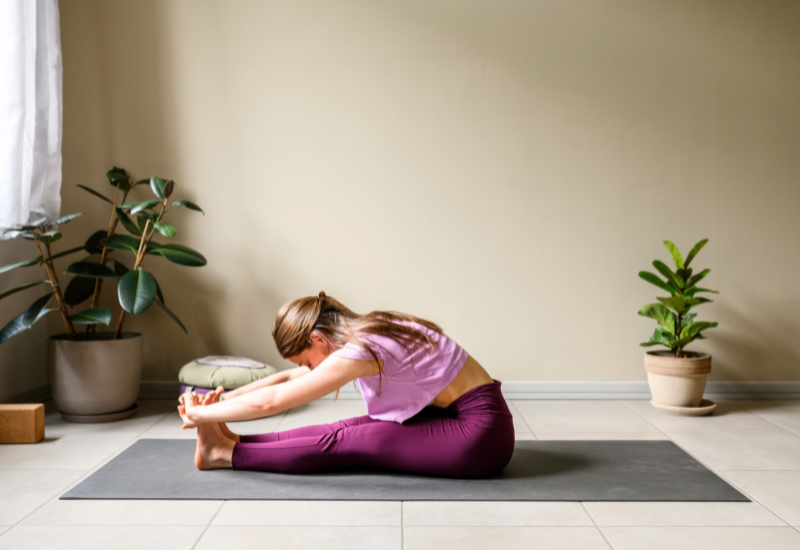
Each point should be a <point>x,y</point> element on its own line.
<point>753,445</point>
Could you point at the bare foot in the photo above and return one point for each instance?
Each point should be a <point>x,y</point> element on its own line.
<point>213,397</point>
<point>214,450</point>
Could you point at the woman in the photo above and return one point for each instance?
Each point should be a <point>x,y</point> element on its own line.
<point>432,408</point>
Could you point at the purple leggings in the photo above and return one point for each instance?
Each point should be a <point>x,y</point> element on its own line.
<point>472,437</point>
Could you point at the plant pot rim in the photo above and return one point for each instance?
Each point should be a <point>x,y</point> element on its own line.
<point>106,336</point>
<point>664,362</point>
<point>669,354</point>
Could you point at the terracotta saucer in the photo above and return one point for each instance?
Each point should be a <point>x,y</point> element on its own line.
<point>706,406</point>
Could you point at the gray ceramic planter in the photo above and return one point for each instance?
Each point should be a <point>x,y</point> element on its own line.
<point>95,381</point>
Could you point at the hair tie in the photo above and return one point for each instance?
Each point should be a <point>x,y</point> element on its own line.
<point>322,295</point>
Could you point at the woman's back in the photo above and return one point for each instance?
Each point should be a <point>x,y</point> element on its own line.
<point>407,382</point>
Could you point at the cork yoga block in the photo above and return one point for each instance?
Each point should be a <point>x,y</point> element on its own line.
<point>21,423</point>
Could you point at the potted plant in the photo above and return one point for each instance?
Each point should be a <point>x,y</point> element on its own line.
<point>95,375</point>
<point>678,377</point>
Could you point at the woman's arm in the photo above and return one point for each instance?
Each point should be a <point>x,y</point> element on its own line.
<point>271,380</point>
<point>329,376</point>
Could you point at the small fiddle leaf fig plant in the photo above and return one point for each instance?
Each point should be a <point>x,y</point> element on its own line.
<point>677,326</point>
<point>137,289</point>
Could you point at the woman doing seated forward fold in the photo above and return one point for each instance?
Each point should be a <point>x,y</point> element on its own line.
<point>432,409</point>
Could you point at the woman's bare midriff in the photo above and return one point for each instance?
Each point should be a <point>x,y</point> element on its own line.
<point>471,375</point>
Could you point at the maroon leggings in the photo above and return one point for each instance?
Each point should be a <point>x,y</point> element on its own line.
<point>472,437</point>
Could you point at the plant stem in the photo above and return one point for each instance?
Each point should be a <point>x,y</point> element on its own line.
<point>139,259</point>
<point>98,284</point>
<point>51,273</point>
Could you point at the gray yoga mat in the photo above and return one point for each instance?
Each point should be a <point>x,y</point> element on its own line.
<point>539,470</point>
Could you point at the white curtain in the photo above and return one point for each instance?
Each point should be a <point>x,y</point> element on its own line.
<point>30,112</point>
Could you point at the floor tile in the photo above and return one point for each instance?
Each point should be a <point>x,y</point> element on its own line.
<point>300,538</point>
<point>548,416</point>
<point>605,436</point>
<point>22,491</point>
<point>24,537</point>
<point>782,413</point>
<point>475,514</point>
<point>520,426</point>
<point>743,451</point>
<point>682,514</point>
<point>70,452</point>
<point>124,512</point>
<point>503,538</point>
<point>148,414</point>
<point>322,411</point>
<point>778,491</point>
<point>296,512</point>
<point>525,437</point>
<point>703,538</point>
<point>729,416</point>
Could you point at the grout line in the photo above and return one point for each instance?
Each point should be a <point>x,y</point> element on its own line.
<point>523,419</point>
<point>717,472</point>
<point>90,471</point>
<point>768,420</point>
<point>209,525</point>
<point>602,534</point>
<point>402,528</point>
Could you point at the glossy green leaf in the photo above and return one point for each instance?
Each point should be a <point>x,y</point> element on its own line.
<point>119,267</point>
<point>166,229</point>
<point>24,287</point>
<point>654,279</point>
<point>660,337</point>
<point>693,328</point>
<point>92,245</point>
<point>660,314</point>
<point>136,207</point>
<point>674,279</point>
<point>49,237</point>
<point>96,315</point>
<point>697,278</point>
<point>96,194</point>
<point>157,185</point>
<point>66,219</point>
<point>180,254</point>
<point>678,303</point>
<point>694,251</point>
<point>676,255</point>
<point>79,290</point>
<point>25,320</point>
<point>127,223</point>
<point>26,263</point>
<point>142,182</point>
<point>119,176</point>
<point>136,291</point>
<point>172,316</point>
<point>91,269</point>
<point>188,204</point>
<point>22,229</point>
<point>121,242</point>
<point>67,252</point>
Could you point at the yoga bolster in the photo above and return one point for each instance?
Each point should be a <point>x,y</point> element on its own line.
<point>203,376</point>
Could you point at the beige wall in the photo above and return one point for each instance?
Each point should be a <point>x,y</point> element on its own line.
<point>503,168</point>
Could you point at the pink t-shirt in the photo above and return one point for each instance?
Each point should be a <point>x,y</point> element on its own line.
<point>404,392</point>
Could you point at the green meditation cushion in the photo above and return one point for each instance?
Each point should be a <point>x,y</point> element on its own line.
<point>223,370</point>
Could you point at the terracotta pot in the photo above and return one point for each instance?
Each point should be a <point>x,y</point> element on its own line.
<point>677,382</point>
<point>97,380</point>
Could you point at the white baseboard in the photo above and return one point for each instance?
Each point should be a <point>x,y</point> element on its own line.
<point>167,389</point>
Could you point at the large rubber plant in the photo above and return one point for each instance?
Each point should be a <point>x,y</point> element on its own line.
<point>137,289</point>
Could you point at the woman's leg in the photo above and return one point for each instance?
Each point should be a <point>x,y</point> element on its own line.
<point>428,445</point>
<point>307,431</point>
